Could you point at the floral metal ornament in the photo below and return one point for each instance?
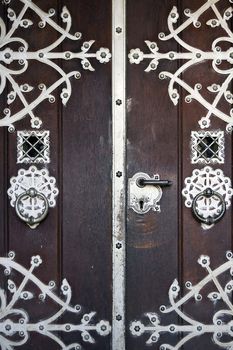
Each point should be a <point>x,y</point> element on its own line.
<point>46,56</point>
<point>32,193</point>
<point>208,193</point>
<point>193,56</point>
<point>221,328</point>
<point>15,323</point>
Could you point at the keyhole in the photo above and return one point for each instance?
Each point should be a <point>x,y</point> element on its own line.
<point>141,204</point>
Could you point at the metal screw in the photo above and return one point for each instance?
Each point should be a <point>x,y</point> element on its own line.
<point>119,174</point>
<point>118,317</point>
<point>118,245</point>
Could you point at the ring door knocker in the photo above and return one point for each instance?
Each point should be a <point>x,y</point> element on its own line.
<point>32,193</point>
<point>208,193</point>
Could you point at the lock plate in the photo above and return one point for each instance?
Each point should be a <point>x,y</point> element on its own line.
<point>142,198</point>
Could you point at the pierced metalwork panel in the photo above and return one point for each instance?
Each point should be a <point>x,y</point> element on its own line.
<point>193,56</point>
<point>33,146</point>
<point>15,323</point>
<point>207,147</point>
<point>221,328</point>
<point>15,62</point>
<point>208,192</point>
<point>32,193</point>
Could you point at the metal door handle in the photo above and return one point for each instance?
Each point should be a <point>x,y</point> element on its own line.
<point>32,195</point>
<point>208,193</point>
<point>162,183</point>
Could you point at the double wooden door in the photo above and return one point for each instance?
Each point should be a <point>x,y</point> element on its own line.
<point>115,174</point>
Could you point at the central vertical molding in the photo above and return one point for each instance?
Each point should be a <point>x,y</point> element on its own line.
<point>119,173</point>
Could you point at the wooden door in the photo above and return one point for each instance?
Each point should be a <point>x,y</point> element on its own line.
<point>115,180</point>
<point>72,246</point>
<point>172,257</point>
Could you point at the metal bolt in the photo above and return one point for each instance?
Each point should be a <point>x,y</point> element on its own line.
<point>118,317</point>
<point>67,55</point>
<point>7,55</point>
<point>118,102</point>
<point>135,56</point>
<point>198,55</point>
<point>171,55</point>
<point>118,30</point>
<point>41,55</point>
<point>119,174</point>
<point>118,245</point>
<point>152,46</point>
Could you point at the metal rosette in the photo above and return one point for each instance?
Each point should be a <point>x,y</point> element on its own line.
<point>32,193</point>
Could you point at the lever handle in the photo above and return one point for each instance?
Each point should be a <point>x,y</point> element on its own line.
<point>162,183</point>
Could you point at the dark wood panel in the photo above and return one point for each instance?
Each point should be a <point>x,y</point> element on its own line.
<point>87,167</point>
<point>217,240</point>
<point>152,128</point>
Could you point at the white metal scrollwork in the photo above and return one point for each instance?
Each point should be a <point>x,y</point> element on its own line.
<point>46,55</point>
<point>32,192</point>
<point>16,325</point>
<point>193,56</point>
<point>222,326</point>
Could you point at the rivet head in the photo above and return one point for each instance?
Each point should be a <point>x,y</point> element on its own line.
<point>118,30</point>
<point>118,102</point>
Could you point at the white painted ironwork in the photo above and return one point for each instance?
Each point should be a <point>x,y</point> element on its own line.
<point>32,193</point>
<point>119,168</point>
<point>193,56</point>
<point>208,207</point>
<point>221,327</point>
<point>45,55</point>
<point>33,146</point>
<point>142,199</point>
<point>207,147</point>
<point>15,323</point>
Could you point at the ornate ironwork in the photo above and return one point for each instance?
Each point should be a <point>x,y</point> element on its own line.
<point>207,147</point>
<point>145,192</point>
<point>15,323</point>
<point>193,56</point>
<point>32,192</point>
<point>33,146</point>
<point>46,55</point>
<point>210,192</point>
<point>221,327</point>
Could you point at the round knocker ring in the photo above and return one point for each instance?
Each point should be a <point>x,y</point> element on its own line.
<point>32,193</point>
<point>208,193</point>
